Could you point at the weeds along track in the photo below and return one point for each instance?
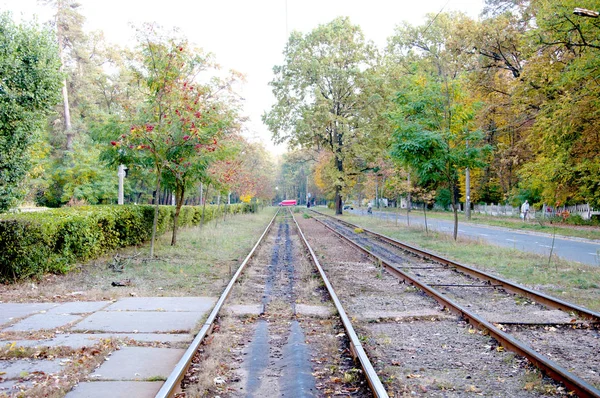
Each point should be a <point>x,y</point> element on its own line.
<point>560,339</point>
<point>276,331</point>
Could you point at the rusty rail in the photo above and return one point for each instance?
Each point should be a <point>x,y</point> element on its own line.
<point>549,367</point>
<point>372,378</point>
<point>174,380</point>
<point>536,296</point>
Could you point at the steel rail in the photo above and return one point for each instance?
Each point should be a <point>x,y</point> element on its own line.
<point>372,377</point>
<point>536,296</point>
<point>173,381</point>
<point>549,367</point>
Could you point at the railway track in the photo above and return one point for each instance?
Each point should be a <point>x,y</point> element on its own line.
<point>278,329</point>
<point>510,313</point>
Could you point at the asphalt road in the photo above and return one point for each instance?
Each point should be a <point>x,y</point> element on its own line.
<point>582,250</point>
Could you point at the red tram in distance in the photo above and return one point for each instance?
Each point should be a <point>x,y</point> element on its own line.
<point>289,202</point>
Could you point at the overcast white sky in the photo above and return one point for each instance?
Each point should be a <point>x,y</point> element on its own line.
<point>247,35</point>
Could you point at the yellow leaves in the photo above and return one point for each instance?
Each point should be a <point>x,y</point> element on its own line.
<point>246,198</point>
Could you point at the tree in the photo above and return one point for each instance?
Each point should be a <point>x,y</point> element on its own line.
<point>68,23</point>
<point>562,83</point>
<point>436,134</point>
<point>432,133</point>
<point>180,124</point>
<point>29,87</point>
<point>320,92</point>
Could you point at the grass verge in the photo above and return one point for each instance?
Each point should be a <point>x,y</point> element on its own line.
<point>200,265</point>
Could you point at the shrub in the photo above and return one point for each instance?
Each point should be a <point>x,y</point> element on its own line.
<point>32,244</point>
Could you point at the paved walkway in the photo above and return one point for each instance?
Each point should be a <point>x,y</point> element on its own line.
<point>131,371</point>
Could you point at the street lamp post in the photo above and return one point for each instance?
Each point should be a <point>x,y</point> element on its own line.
<point>121,174</point>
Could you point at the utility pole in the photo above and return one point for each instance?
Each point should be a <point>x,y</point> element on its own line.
<point>468,190</point>
<point>121,174</point>
<point>468,193</point>
<point>307,194</point>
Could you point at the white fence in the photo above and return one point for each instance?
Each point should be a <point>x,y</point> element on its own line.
<point>584,210</point>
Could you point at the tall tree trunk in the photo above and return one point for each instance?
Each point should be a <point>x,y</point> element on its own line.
<point>455,209</point>
<point>218,209</point>
<point>425,215</point>
<point>65,93</point>
<point>338,201</point>
<point>68,128</point>
<point>204,205</point>
<point>155,221</point>
<point>179,194</point>
<point>340,167</point>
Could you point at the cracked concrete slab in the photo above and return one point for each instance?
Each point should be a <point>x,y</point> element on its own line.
<point>142,322</point>
<point>317,311</point>
<point>115,389</point>
<point>398,316</point>
<point>10,311</point>
<point>167,304</point>
<point>80,340</point>
<point>20,368</point>
<point>45,321</point>
<point>244,309</point>
<point>79,307</point>
<point>139,363</point>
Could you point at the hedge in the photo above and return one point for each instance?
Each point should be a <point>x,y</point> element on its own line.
<point>32,244</point>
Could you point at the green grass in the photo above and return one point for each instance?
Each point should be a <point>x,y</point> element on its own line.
<point>570,281</point>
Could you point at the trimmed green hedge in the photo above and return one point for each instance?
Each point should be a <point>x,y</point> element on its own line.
<point>32,244</point>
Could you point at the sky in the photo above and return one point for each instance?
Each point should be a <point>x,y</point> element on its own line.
<point>246,35</point>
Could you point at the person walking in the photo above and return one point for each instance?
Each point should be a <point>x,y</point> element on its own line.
<point>525,210</point>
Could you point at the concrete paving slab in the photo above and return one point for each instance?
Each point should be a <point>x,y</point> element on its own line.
<point>79,340</point>
<point>318,311</point>
<point>10,311</point>
<point>43,322</point>
<point>404,315</point>
<point>13,386</point>
<point>79,307</point>
<point>244,309</point>
<point>21,343</point>
<point>142,322</point>
<point>115,389</point>
<point>15,369</point>
<point>139,363</point>
<point>168,304</point>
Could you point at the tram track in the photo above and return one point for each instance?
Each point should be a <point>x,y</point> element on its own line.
<point>277,336</point>
<point>465,291</point>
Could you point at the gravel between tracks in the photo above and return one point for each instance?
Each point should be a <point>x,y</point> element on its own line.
<point>416,348</point>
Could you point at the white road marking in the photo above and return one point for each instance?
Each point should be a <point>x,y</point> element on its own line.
<point>593,254</point>
<point>545,246</point>
<point>511,240</point>
<point>484,234</point>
